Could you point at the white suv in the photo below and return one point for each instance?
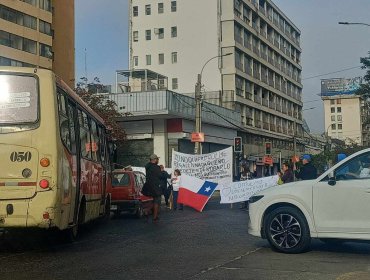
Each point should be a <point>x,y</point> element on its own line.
<point>334,207</point>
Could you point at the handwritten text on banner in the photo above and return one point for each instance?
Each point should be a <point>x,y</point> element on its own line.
<point>216,167</point>
<point>243,190</point>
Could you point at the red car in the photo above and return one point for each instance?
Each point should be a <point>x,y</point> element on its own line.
<point>126,194</point>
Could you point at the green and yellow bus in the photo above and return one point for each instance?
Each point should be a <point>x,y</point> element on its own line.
<point>55,163</point>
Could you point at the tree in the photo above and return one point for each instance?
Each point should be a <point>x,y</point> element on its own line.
<point>102,105</point>
<point>364,92</point>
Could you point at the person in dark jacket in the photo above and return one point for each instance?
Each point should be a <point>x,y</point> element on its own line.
<point>153,181</point>
<point>164,184</point>
<point>307,171</point>
<point>287,176</point>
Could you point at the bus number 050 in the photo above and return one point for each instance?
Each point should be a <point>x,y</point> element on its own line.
<point>20,156</point>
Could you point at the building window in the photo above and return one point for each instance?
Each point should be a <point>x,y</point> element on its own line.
<point>339,110</point>
<point>174,31</point>
<point>339,117</point>
<point>45,27</point>
<point>135,36</point>
<point>174,57</point>
<point>173,6</point>
<point>45,5</point>
<point>148,10</point>
<point>333,126</point>
<point>148,35</point>
<point>17,17</point>
<point>46,51</point>
<point>136,60</point>
<point>340,126</point>
<point>175,83</point>
<point>135,11</point>
<point>339,101</point>
<point>4,61</point>
<point>160,33</point>
<point>161,58</point>
<point>148,59</point>
<point>160,8</point>
<point>333,118</point>
<point>30,46</point>
<point>332,102</point>
<point>30,22</point>
<point>31,2</point>
<point>332,110</point>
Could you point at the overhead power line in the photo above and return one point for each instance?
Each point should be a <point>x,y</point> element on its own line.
<point>321,75</point>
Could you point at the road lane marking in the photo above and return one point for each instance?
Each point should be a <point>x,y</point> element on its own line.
<point>222,265</point>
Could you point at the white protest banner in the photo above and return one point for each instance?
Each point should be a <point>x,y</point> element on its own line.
<point>216,167</point>
<point>243,190</point>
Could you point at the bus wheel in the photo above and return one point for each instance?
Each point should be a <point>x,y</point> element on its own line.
<point>72,233</point>
<point>106,209</point>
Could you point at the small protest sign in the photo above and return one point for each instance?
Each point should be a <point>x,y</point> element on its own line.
<point>243,190</point>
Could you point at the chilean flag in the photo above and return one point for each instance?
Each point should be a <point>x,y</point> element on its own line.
<point>195,192</point>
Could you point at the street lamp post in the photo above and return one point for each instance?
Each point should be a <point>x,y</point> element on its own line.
<point>353,23</point>
<point>198,103</point>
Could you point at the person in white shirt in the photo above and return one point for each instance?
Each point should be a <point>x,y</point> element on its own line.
<point>176,182</point>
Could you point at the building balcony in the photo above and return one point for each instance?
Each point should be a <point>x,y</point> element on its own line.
<point>266,126</point>
<point>272,105</point>
<point>265,102</point>
<point>169,104</point>
<point>258,123</point>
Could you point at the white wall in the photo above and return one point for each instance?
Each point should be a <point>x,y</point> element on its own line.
<point>196,42</point>
<point>351,118</point>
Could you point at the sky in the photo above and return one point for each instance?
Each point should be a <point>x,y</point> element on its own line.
<point>102,29</point>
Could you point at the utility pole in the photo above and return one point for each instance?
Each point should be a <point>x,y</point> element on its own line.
<point>294,138</point>
<point>198,104</point>
<point>198,113</point>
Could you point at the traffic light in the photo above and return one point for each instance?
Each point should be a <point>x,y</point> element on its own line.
<point>238,145</point>
<point>268,148</point>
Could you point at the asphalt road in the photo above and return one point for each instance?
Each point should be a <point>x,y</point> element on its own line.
<point>182,245</point>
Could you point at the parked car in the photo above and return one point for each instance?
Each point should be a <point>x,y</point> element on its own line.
<point>334,207</point>
<point>126,193</point>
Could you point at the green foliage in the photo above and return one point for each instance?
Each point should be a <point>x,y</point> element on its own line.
<point>103,106</point>
<point>328,158</point>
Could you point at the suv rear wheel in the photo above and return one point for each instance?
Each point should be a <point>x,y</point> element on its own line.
<point>287,230</point>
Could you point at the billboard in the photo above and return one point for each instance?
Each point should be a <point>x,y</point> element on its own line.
<point>340,86</point>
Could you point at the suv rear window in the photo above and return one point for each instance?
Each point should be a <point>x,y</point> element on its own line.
<point>120,179</point>
<point>18,99</point>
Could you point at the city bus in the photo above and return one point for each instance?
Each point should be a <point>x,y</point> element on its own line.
<point>54,150</point>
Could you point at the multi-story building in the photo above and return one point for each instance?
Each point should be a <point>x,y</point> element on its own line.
<point>342,109</point>
<point>176,39</point>
<point>38,33</point>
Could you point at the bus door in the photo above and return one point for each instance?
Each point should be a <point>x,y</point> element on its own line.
<point>76,164</point>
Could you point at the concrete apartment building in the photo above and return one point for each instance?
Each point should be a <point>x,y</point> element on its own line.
<point>342,110</point>
<point>38,33</point>
<point>261,79</point>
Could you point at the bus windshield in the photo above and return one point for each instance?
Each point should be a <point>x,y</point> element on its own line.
<point>18,99</point>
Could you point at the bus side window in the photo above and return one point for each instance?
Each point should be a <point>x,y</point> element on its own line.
<point>63,120</point>
<point>102,145</point>
<point>84,135</point>
<point>95,141</point>
<point>72,126</point>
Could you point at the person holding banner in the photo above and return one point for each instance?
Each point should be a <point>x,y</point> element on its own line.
<point>287,174</point>
<point>176,182</point>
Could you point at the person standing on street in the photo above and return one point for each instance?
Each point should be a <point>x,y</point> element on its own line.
<point>287,174</point>
<point>176,182</point>
<point>307,171</point>
<point>153,176</point>
<point>164,184</point>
